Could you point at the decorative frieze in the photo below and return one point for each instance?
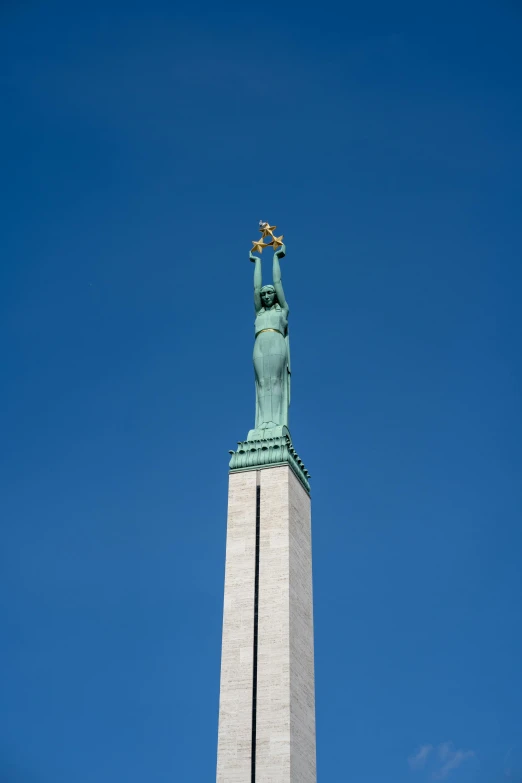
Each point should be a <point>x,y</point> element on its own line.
<point>258,453</point>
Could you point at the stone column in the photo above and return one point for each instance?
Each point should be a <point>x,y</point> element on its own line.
<point>267,705</point>
<point>237,649</point>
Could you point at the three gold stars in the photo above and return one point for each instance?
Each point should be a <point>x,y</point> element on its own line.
<point>267,231</point>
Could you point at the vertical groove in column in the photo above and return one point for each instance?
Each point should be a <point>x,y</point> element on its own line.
<point>256,623</point>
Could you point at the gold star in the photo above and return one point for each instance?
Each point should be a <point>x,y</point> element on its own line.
<point>258,246</point>
<point>277,241</point>
<point>266,230</point>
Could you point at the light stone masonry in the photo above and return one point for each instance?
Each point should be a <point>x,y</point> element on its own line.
<point>235,699</point>
<point>285,715</point>
<point>285,691</point>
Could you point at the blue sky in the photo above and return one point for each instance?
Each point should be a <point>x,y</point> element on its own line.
<point>141,143</point>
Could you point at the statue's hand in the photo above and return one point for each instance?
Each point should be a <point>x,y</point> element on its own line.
<point>281,252</point>
<point>253,258</point>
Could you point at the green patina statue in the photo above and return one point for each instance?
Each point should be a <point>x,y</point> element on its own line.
<point>271,348</point>
<point>270,443</point>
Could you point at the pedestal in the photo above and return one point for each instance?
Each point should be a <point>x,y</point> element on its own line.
<point>267,704</point>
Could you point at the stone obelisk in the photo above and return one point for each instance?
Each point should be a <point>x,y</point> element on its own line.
<point>267,702</point>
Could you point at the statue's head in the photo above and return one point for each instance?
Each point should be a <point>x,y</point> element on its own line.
<point>268,296</point>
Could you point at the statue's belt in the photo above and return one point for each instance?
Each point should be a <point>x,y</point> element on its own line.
<point>270,330</point>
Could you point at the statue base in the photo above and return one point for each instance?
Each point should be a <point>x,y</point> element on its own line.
<point>268,433</point>
<point>267,448</point>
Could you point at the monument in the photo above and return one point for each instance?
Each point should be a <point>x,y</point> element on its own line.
<point>267,703</point>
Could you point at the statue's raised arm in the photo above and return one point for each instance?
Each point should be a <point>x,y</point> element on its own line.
<point>276,273</point>
<point>258,281</point>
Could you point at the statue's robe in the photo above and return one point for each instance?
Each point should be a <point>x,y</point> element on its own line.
<point>275,319</point>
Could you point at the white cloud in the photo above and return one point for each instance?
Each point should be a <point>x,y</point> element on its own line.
<point>418,760</point>
<point>448,759</point>
<point>452,759</point>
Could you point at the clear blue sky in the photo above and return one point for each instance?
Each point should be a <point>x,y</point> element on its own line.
<point>141,143</point>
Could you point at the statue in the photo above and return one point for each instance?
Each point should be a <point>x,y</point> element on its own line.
<point>270,443</point>
<point>271,347</point>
